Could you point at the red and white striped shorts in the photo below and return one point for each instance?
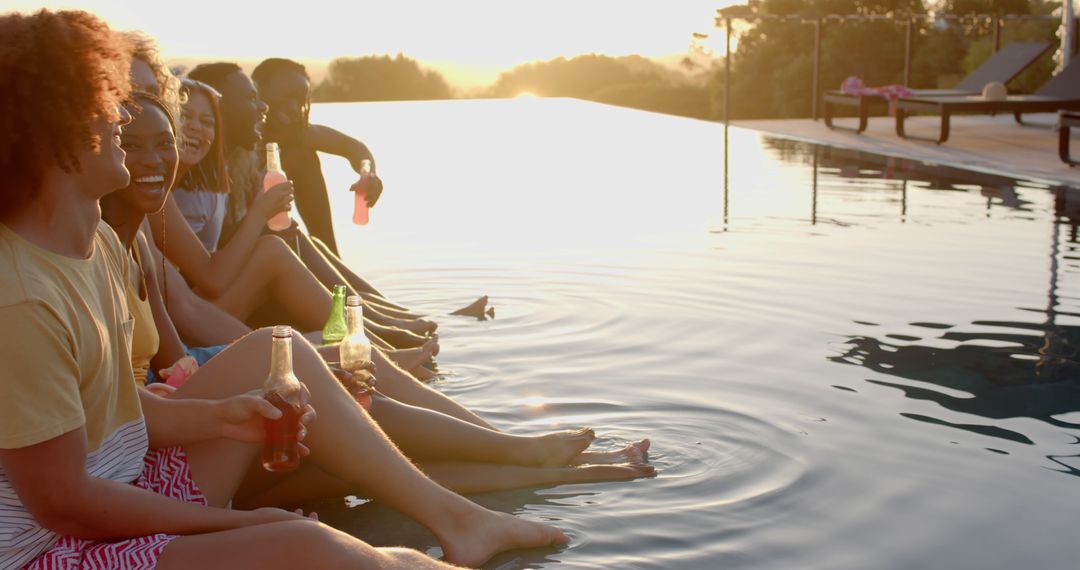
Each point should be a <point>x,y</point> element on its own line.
<point>165,472</point>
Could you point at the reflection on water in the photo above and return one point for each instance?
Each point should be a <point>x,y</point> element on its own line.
<point>843,360</point>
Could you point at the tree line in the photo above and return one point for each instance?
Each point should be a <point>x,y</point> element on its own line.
<point>772,66</point>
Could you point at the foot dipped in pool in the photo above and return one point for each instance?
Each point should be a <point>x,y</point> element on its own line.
<point>478,309</point>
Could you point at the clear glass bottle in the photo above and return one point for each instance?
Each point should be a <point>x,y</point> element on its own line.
<point>275,175</point>
<point>281,448</point>
<point>336,328</point>
<point>355,351</point>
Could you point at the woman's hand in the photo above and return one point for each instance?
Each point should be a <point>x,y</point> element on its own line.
<point>243,417</point>
<point>357,382</point>
<point>277,199</point>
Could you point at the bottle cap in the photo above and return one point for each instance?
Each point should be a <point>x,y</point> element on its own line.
<point>282,331</point>
<point>352,301</point>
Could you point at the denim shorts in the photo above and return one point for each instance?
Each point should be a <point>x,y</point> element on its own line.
<point>201,354</point>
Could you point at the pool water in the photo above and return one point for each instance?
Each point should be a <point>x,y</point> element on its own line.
<point>842,360</point>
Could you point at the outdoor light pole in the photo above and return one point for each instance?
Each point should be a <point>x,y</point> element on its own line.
<point>1067,32</point>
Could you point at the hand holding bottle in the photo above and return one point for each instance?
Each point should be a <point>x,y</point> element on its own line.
<point>273,201</point>
<point>281,445</point>
<point>243,417</point>
<point>274,177</point>
<point>361,190</point>
<point>355,353</point>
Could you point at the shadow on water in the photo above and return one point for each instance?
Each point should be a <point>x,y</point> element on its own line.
<point>1027,370</point>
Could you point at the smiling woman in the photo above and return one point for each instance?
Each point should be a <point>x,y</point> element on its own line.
<point>150,144</point>
<point>203,187</point>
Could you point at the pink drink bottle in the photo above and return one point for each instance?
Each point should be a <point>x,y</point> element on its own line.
<point>360,189</point>
<point>274,176</point>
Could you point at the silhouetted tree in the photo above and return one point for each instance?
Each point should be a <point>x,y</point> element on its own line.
<point>772,69</point>
<point>630,81</point>
<point>380,78</point>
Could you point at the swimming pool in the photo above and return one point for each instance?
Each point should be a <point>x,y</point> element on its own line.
<point>843,360</point>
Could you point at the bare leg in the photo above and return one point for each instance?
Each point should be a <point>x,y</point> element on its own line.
<point>403,387</point>
<point>275,270</point>
<point>286,545</point>
<point>412,324</point>
<point>398,338</point>
<point>311,483</point>
<point>423,434</point>
<point>355,282</point>
<point>485,478</point>
<point>388,308</point>
<point>409,358</point>
<point>347,444</point>
<point>423,374</point>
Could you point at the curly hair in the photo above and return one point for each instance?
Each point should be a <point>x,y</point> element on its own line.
<point>59,72</point>
<point>145,49</point>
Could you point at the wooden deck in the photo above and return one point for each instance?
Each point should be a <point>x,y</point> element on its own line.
<point>994,145</point>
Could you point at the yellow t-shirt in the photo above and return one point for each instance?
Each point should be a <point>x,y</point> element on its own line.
<point>144,340</point>
<point>65,344</point>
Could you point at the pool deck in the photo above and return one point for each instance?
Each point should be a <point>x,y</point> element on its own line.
<point>994,144</point>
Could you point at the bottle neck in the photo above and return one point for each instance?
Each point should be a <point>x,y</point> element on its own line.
<point>354,319</point>
<point>281,364</point>
<point>273,158</point>
<point>337,308</point>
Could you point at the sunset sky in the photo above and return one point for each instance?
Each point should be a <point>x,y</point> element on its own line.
<point>468,40</point>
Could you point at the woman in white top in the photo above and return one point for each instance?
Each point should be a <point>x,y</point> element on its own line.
<point>202,189</point>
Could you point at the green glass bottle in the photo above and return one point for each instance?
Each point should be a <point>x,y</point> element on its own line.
<point>335,328</point>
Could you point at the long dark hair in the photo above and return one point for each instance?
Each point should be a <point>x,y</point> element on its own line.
<point>210,174</point>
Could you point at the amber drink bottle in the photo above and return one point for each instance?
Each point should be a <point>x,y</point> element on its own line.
<point>281,448</point>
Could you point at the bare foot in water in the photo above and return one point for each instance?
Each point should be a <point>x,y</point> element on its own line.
<point>423,374</point>
<point>553,449</point>
<point>476,537</point>
<point>632,453</point>
<point>477,309</point>
<point>614,472</point>
<point>409,358</point>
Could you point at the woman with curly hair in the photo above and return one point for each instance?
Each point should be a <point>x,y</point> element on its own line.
<point>146,480</point>
<point>149,72</point>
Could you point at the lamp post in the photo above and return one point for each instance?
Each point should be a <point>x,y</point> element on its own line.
<point>1067,32</point>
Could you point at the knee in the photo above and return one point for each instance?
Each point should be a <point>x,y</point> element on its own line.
<point>325,547</point>
<point>272,250</point>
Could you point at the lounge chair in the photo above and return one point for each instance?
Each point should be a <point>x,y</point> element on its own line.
<point>1066,120</point>
<point>1004,65</point>
<point>1060,92</point>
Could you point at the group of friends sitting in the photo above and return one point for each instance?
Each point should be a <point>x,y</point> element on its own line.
<point>133,238</point>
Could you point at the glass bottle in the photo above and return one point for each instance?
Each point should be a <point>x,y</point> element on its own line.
<point>335,327</point>
<point>275,175</point>
<point>355,351</point>
<point>360,194</point>
<point>281,448</point>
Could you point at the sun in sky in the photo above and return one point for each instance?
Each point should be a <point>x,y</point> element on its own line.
<point>461,39</point>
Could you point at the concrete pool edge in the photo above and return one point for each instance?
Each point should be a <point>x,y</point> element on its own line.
<point>1039,162</point>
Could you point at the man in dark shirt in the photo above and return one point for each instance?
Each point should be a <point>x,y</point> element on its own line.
<point>285,87</point>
